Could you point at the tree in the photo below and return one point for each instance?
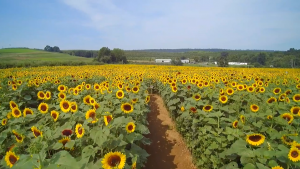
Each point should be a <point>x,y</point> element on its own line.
<point>117,55</point>
<point>176,62</point>
<point>56,49</point>
<point>223,61</point>
<point>47,48</point>
<point>261,58</point>
<point>104,51</point>
<point>52,49</point>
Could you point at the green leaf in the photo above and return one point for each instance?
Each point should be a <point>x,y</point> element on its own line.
<point>272,163</point>
<point>70,144</point>
<point>88,151</point>
<point>261,166</point>
<point>57,146</point>
<point>27,97</point>
<point>249,166</point>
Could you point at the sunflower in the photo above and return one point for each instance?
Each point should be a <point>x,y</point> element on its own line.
<point>11,158</point>
<point>235,124</point>
<point>91,114</point>
<point>287,99</point>
<point>295,144</point>
<point>96,87</point>
<point>133,101</point>
<point>79,130</point>
<point>12,104</point>
<point>14,87</point>
<point>135,89</point>
<point>133,165</point>
<point>269,117</point>
<point>287,140</point>
<point>43,108</point>
<point>62,88</point>
<point>86,99</point>
<point>92,101</point>
<point>277,90</point>
<point>48,95</point>
<point>130,127</point>
<point>295,111</point>
<point>242,118</point>
<point>127,107</point>
<point>223,99</point>
<point>262,89</point>
<point>208,108</point>
<point>147,99</point>
<point>73,107</point>
<point>229,91</point>
<point>184,81</point>
<point>271,100</point>
<point>254,108</point>
<point>240,87</point>
<point>16,112</point>
<point>18,136</point>
<point>114,160</point>
<point>75,91</point>
<point>107,119</point>
<point>65,106</point>
<point>197,96</point>
<point>64,140</point>
<point>277,167</point>
<point>174,89</point>
<point>120,94</point>
<point>96,106</point>
<point>36,132</point>
<point>4,122</point>
<point>27,111</point>
<point>54,115</point>
<point>41,95</point>
<point>287,92</point>
<point>67,132</point>
<point>288,117</point>
<point>294,154</point>
<point>87,86</point>
<point>62,96</point>
<point>255,139</point>
<point>296,97</point>
<point>120,86</point>
<point>182,108</point>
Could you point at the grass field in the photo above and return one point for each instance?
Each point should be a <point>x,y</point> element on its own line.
<point>29,55</point>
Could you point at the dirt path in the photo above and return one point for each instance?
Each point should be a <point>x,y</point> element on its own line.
<point>167,150</point>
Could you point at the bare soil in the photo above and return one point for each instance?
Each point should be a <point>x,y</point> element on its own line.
<point>167,150</point>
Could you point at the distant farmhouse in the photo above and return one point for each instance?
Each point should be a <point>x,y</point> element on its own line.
<point>170,60</point>
<point>235,63</point>
<point>185,61</point>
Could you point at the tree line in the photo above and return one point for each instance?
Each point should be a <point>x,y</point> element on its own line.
<point>52,49</point>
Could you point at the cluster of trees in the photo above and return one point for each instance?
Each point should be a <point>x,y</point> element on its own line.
<point>52,49</point>
<point>82,53</point>
<point>116,55</point>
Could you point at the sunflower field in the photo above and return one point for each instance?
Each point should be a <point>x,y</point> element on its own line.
<point>96,116</point>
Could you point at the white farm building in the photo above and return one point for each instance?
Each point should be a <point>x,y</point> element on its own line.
<point>185,61</point>
<point>163,60</point>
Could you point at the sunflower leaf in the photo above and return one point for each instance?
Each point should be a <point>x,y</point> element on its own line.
<point>261,166</point>
<point>70,144</point>
<point>249,166</point>
<point>272,163</point>
<point>27,97</point>
<point>57,146</point>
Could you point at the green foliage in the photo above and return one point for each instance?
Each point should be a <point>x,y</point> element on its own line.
<point>117,55</point>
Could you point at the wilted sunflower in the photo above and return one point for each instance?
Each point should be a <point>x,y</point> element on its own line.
<point>271,100</point>
<point>208,108</point>
<point>11,158</point>
<point>64,140</point>
<point>277,167</point>
<point>235,124</point>
<point>62,88</point>
<point>62,96</point>
<point>86,99</point>
<point>254,108</point>
<point>43,108</point>
<point>114,160</point>
<point>41,95</point>
<point>242,118</point>
<point>288,117</point>
<point>197,96</point>
<point>73,107</point>
<point>107,119</point>
<point>67,132</point>
<point>36,132</point>
<point>54,115</point>
<point>130,127</point>
<point>12,104</point>
<point>4,122</point>
<point>277,90</point>
<point>295,111</point>
<point>120,94</point>
<point>65,106</point>
<point>27,111</point>
<point>294,154</point>
<point>255,139</point>
<point>223,99</point>
<point>79,130</point>
<point>127,107</point>
<point>296,97</point>
<point>91,114</point>
<point>229,91</point>
<point>147,99</point>
<point>16,112</point>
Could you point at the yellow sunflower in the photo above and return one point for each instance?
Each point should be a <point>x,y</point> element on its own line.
<point>174,89</point>
<point>79,130</point>
<point>240,87</point>
<point>48,95</point>
<point>62,96</point>
<point>86,99</point>
<point>271,100</point>
<point>12,104</point>
<point>147,99</point>
<point>64,140</point>
<point>91,114</point>
<point>294,154</point>
<point>120,94</point>
<point>41,95</point>
<point>133,101</point>
<point>288,117</point>
<point>96,106</point>
<point>11,158</point>
<point>250,89</point>
<point>65,106</point>
<point>197,96</point>
<point>54,115</point>
<point>87,86</point>
<point>18,136</point>
<point>92,101</point>
<point>135,89</point>
<point>277,167</point>
<point>269,117</point>
<point>235,124</point>
<point>208,108</point>
<point>127,107</point>
<point>262,89</point>
<point>16,112</point>
<point>243,119</point>
<point>130,127</point>
<point>254,108</point>
<point>73,107</point>
<point>43,108</point>
<point>4,122</point>
<point>133,165</point>
<point>229,91</point>
<point>182,108</point>
<point>296,97</point>
<point>223,99</point>
<point>36,132</point>
<point>255,139</point>
<point>277,90</point>
<point>62,88</point>
<point>107,119</point>
<point>113,160</point>
<point>27,111</point>
<point>295,111</point>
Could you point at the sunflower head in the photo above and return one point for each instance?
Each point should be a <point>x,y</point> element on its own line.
<point>271,100</point>
<point>269,117</point>
<point>62,96</point>
<point>65,106</point>
<point>64,140</point>
<point>197,96</point>
<point>4,122</point>
<point>135,89</point>
<point>147,99</point>
<point>79,130</point>
<point>235,124</point>
<point>229,91</point>
<point>73,107</point>
<point>113,160</point>
<point>295,110</point>
<point>250,89</point>
<point>27,111</point>
<point>41,95</point>
<point>254,108</point>
<point>62,88</point>
<point>43,108</point>
<point>223,99</point>
<point>16,112</point>
<point>48,95</point>
<point>130,127</point>
<point>255,139</point>
<point>277,167</point>
<point>11,158</point>
<point>127,107</point>
<point>174,89</point>
<point>193,109</point>
<point>12,104</point>
<point>107,119</point>
<point>36,132</point>
<point>54,115</point>
<point>288,117</point>
<point>120,94</point>
<point>91,114</point>
<point>277,90</point>
<point>208,108</point>
<point>96,106</point>
<point>296,97</point>
<point>294,154</point>
<point>67,132</point>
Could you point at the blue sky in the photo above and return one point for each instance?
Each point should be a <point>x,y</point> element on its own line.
<point>149,24</point>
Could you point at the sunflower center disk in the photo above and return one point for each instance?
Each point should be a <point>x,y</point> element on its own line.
<point>114,160</point>
<point>255,138</point>
<point>130,127</point>
<point>294,154</point>
<point>12,159</point>
<point>66,105</point>
<point>43,108</point>
<point>127,107</point>
<point>36,133</point>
